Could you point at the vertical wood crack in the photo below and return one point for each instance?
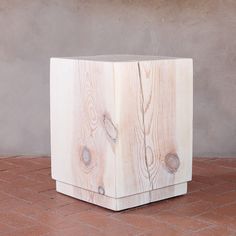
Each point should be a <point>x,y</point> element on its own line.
<point>144,129</point>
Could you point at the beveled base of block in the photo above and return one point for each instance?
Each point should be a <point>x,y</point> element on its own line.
<point>117,204</point>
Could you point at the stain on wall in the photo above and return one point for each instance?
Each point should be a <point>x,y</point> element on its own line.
<point>34,31</point>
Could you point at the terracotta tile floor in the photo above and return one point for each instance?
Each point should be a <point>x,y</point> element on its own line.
<point>29,205</point>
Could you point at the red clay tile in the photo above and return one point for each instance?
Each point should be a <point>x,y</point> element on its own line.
<point>43,161</point>
<point>24,182</point>
<point>228,210</point>
<point>30,210</point>
<point>229,177</point>
<point>225,198</point>
<point>164,230</point>
<point>73,208</point>
<point>196,186</point>
<point>3,196</point>
<point>193,209</point>
<point>215,170</point>
<point>214,218</point>
<point>215,231</point>
<point>11,203</point>
<point>44,171</point>
<point>42,187</point>
<point>25,162</point>
<point>54,202</point>
<point>226,162</point>
<point>53,220</point>
<point>180,201</point>
<point>184,223</point>
<point>138,221</point>
<point>209,180</point>
<point>215,200</point>
<point>198,171</point>
<point>29,205</point>
<point>101,210</point>
<point>149,209</point>
<point>50,192</point>
<point>106,223</point>
<point>80,229</point>
<point>15,220</point>
<point>35,230</point>
<point>201,163</point>
<point>205,196</point>
<point>221,188</point>
<point>50,204</point>
<point>4,228</point>
<point>24,194</point>
<point>8,176</point>
<point>38,177</point>
<point>232,224</point>
<point>6,166</point>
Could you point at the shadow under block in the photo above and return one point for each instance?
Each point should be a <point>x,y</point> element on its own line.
<point>121,128</point>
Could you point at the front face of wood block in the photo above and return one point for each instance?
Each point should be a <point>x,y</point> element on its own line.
<point>121,128</point>
<point>154,118</point>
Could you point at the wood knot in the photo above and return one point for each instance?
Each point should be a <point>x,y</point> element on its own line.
<point>172,162</point>
<point>86,156</point>
<point>110,128</point>
<point>101,190</point>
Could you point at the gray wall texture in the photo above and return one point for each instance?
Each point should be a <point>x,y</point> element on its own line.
<point>33,31</point>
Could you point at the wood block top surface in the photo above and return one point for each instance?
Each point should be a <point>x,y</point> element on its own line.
<point>121,58</point>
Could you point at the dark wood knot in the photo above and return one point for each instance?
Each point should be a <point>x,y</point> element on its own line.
<point>101,190</point>
<point>86,156</point>
<point>172,162</point>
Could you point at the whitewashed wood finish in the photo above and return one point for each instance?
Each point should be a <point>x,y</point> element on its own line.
<point>81,97</point>
<point>151,94</point>
<point>121,126</point>
<point>118,204</point>
<point>132,175</point>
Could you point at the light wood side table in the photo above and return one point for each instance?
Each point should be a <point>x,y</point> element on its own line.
<point>121,128</point>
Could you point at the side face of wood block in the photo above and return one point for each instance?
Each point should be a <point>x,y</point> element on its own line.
<point>82,132</point>
<point>154,117</point>
<point>120,128</point>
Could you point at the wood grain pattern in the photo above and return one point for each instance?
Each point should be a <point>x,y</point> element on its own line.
<point>147,96</point>
<point>94,110</point>
<point>132,175</point>
<point>84,156</point>
<point>118,204</point>
<point>158,82</point>
<point>122,127</point>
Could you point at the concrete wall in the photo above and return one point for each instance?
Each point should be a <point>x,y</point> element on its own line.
<point>33,31</point>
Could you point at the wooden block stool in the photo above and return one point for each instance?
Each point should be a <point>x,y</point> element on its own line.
<point>121,128</point>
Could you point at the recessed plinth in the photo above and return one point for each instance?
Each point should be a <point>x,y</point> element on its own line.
<point>121,128</point>
<point>118,204</point>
